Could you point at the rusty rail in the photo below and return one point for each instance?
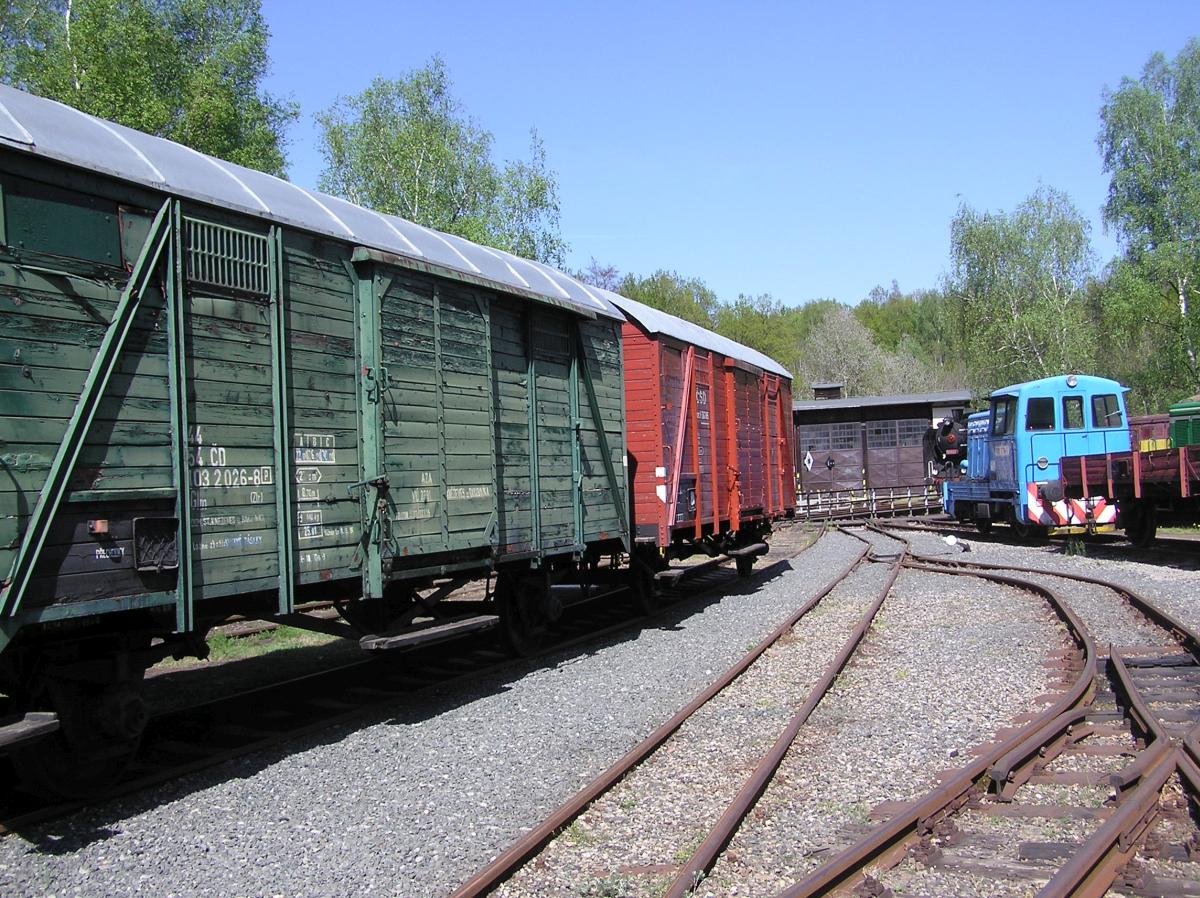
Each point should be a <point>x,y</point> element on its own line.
<point>506,864</point>
<point>1092,870</point>
<point>892,837</point>
<point>727,825</point>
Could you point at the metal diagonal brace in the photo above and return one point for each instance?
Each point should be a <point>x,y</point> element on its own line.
<point>677,447</point>
<point>610,471</point>
<point>94,386</point>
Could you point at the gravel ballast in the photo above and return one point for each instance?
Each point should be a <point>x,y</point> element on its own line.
<point>652,820</point>
<point>413,804</point>
<point>950,661</point>
<point>1172,587</point>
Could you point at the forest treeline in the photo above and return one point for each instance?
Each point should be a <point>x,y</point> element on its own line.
<point>1024,295</point>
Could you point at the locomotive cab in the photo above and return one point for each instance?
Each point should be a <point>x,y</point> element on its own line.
<point>1016,447</point>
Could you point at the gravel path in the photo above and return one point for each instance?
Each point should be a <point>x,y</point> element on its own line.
<point>415,803</point>
<point>950,661</point>
<point>633,838</point>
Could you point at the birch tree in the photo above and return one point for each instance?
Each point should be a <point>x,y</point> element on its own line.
<point>407,147</point>
<point>1150,143</point>
<point>1020,280</point>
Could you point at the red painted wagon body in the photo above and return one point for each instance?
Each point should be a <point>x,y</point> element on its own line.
<point>708,435</point>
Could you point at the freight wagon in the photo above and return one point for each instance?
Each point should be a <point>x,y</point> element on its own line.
<point>709,439</point>
<point>223,393</point>
<point>1157,480</point>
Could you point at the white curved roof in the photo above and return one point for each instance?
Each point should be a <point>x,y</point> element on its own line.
<point>54,130</point>
<point>658,322</point>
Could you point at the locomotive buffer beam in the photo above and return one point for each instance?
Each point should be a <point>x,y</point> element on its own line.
<point>429,634</point>
<point>22,728</point>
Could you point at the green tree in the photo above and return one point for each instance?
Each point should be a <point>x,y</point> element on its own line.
<point>187,70</point>
<point>1140,324</point>
<point>920,323</point>
<point>759,322</point>
<point>1019,280</point>
<point>406,147</point>
<point>687,298</point>
<point>888,314</point>
<point>1150,143</point>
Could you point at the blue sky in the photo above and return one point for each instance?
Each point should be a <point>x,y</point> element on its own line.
<point>798,149</point>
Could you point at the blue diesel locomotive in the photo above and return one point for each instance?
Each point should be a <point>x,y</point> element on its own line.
<point>1011,471</point>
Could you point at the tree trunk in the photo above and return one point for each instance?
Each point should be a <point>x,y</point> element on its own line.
<point>1188,346</point>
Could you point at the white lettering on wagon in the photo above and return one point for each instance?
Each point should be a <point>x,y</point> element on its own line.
<point>235,541</point>
<point>469,492</point>
<point>314,448</point>
<point>309,524</point>
<point>215,478</point>
<point>229,520</point>
<point>112,553</point>
<point>413,514</point>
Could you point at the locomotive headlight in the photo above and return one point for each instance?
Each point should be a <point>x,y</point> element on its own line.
<point>1072,381</point>
<point>1043,463</point>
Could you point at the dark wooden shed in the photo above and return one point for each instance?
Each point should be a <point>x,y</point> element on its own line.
<point>866,449</point>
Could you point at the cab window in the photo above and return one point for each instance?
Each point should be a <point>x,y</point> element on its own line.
<point>1106,411</point>
<point>1073,412</point>
<point>1039,413</point>
<point>1004,414</point>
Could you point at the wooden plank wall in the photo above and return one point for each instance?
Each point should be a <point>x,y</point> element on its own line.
<point>56,309</point>
<point>454,468</point>
<point>644,419</point>
<point>603,512</point>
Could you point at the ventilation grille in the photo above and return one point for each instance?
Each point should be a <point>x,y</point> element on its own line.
<point>226,257</point>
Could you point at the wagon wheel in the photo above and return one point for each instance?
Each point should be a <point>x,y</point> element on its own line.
<point>983,525</point>
<point>100,729</point>
<point>1142,524</point>
<point>522,628</point>
<point>643,587</point>
<point>745,565</point>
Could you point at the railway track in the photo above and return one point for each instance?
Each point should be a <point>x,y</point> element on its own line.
<point>530,855</point>
<point>1112,757</point>
<point>210,732</point>
<point>1120,717</point>
<point>1174,549</point>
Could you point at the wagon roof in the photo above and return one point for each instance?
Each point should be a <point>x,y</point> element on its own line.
<point>942,397</point>
<point>54,130</point>
<point>659,322</point>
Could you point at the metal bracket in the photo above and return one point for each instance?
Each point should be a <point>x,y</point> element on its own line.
<point>379,482</point>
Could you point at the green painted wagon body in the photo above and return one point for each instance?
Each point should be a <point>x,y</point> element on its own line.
<point>213,404</point>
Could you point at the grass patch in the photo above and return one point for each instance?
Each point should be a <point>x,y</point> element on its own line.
<point>684,852</point>
<point>232,648</point>
<point>577,834</point>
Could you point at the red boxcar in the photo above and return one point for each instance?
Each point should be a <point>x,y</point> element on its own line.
<point>709,436</point>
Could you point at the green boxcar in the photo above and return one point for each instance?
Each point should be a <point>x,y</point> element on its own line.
<point>221,393</point>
